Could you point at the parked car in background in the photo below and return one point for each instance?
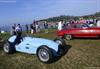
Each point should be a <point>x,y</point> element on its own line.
<point>79,30</point>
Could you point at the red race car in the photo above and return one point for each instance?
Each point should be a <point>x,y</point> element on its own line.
<point>79,30</point>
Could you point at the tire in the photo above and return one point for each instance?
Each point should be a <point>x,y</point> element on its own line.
<point>44,54</point>
<point>61,47</point>
<point>8,48</point>
<point>68,37</point>
<point>60,41</point>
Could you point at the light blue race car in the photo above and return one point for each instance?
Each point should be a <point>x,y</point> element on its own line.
<point>45,49</point>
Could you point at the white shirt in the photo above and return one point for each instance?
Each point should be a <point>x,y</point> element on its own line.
<point>60,26</point>
<point>18,28</point>
<point>98,23</point>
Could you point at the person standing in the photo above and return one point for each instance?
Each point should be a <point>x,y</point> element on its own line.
<point>60,25</point>
<point>98,22</point>
<point>82,20</point>
<point>27,28</point>
<point>18,30</point>
<point>34,26</point>
<point>0,37</point>
<point>46,27</point>
<point>31,27</point>
<point>37,27</point>
<point>13,32</point>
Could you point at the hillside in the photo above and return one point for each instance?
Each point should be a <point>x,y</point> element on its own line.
<point>64,17</point>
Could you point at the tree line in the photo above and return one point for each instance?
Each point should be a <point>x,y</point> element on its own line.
<point>64,17</point>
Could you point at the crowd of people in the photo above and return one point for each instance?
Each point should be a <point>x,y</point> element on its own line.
<point>35,27</point>
<point>70,23</point>
<point>16,28</point>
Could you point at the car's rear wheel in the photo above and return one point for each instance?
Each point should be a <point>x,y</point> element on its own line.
<point>44,54</point>
<point>61,47</point>
<point>60,41</point>
<point>68,37</point>
<point>8,48</point>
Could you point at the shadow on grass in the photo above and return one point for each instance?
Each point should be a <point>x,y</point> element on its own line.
<point>64,51</point>
<point>1,45</point>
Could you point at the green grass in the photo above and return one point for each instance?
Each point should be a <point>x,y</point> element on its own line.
<point>83,54</point>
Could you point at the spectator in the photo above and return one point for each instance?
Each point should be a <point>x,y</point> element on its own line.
<point>18,30</point>
<point>98,22</point>
<point>31,27</point>
<point>34,27</point>
<point>13,32</point>
<point>60,25</point>
<point>37,27</point>
<point>69,26</point>
<point>27,28</point>
<point>82,20</point>
<point>46,27</point>
<point>1,40</point>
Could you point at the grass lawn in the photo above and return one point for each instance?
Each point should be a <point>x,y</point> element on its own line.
<point>83,54</point>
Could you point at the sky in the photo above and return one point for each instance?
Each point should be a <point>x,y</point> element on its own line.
<point>25,11</point>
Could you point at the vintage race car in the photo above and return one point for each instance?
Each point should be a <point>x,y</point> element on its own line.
<point>79,31</point>
<point>45,49</point>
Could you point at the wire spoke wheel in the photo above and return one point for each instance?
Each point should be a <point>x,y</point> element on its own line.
<point>43,55</point>
<point>6,48</point>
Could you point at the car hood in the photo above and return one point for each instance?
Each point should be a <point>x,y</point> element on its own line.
<point>37,42</point>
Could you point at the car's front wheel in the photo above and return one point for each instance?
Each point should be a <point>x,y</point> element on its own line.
<point>44,54</point>
<point>8,48</point>
<point>68,37</point>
